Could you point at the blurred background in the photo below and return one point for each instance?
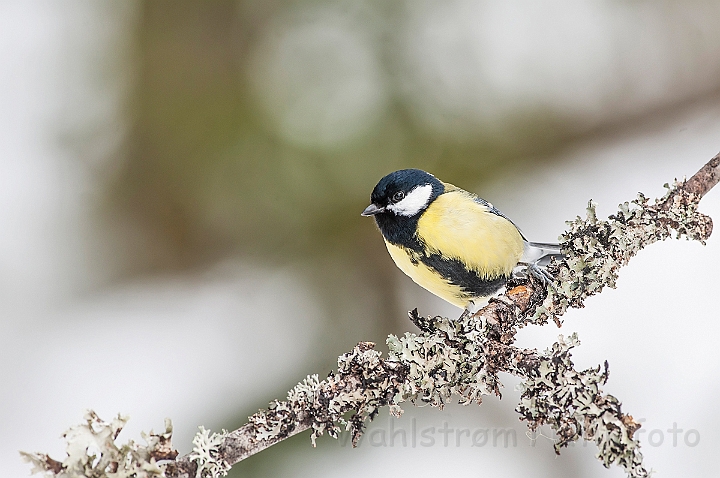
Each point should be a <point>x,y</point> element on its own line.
<point>180,196</point>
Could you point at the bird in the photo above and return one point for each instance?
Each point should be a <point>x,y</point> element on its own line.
<point>452,242</point>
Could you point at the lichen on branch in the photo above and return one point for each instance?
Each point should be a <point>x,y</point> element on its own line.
<point>596,249</point>
<point>446,359</point>
<point>573,404</point>
<point>92,452</point>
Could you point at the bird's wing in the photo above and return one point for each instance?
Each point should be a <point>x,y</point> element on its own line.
<point>488,205</point>
<point>539,252</point>
<point>458,227</point>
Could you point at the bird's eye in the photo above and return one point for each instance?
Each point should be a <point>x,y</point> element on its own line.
<point>398,196</point>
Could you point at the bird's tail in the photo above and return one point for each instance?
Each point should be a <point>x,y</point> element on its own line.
<point>541,253</point>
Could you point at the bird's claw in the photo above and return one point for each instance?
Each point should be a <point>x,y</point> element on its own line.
<point>538,272</point>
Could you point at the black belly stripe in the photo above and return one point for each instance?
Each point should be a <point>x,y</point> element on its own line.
<point>469,281</point>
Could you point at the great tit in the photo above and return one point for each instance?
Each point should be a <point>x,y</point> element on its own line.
<point>451,242</point>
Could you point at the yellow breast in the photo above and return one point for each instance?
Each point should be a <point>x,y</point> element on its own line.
<point>456,227</point>
<point>426,277</point>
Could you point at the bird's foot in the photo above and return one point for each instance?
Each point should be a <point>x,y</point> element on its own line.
<point>539,272</point>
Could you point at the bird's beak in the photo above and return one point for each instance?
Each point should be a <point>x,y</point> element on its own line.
<point>371,210</point>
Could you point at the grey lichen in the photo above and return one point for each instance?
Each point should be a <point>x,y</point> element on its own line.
<point>362,384</point>
<point>207,454</point>
<point>461,358</point>
<point>446,360</point>
<point>596,248</point>
<point>573,404</point>
<point>93,453</point>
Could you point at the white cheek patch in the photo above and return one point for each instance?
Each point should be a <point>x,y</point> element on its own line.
<point>415,201</point>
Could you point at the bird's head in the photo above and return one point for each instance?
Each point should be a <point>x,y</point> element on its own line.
<point>405,193</point>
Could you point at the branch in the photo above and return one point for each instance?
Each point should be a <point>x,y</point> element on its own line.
<point>461,358</point>
<point>597,249</point>
<point>704,180</point>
